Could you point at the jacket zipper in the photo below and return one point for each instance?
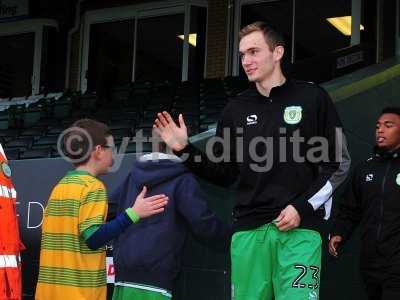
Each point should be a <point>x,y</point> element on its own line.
<point>381,202</point>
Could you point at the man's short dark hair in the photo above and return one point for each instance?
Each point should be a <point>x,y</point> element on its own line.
<point>391,110</point>
<point>82,137</point>
<point>272,37</point>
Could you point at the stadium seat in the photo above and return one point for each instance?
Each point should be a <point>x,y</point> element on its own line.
<point>35,132</point>
<point>32,114</point>
<point>56,130</point>
<point>48,122</point>
<point>120,133</point>
<point>145,131</point>
<point>4,117</point>
<point>120,124</point>
<point>132,116</point>
<point>35,153</point>
<point>45,142</point>
<point>132,147</point>
<point>54,152</point>
<point>16,116</point>
<point>120,95</point>
<point>9,133</point>
<point>12,154</point>
<point>21,143</point>
<point>62,107</point>
<point>87,102</point>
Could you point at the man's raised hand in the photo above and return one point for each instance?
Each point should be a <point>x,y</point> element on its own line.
<point>176,137</point>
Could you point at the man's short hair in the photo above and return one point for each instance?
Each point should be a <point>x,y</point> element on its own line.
<point>272,37</point>
<point>391,110</point>
<point>82,137</point>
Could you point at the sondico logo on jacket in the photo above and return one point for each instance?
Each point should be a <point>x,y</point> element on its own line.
<point>292,114</point>
<point>251,120</point>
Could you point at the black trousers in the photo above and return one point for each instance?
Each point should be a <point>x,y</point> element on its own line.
<point>382,281</point>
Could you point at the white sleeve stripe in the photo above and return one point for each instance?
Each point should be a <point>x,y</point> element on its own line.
<point>8,261</point>
<point>2,151</point>
<point>13,193</point>
<point>322,196</point>
<point>328,208</point>
<point>5,191</point>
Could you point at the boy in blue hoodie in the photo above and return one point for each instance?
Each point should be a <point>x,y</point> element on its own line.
<point>148,273</point>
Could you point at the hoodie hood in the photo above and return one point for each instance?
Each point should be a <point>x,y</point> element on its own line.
<point>155,168</point>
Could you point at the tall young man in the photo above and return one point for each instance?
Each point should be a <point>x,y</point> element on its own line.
<point>291,160</point>
<point>372,201</point>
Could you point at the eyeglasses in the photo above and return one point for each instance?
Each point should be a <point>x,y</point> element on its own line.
<point>112,147</point>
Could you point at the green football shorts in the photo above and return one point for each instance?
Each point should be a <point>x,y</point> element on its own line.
<point>133,291</point>
<point>271,264</point>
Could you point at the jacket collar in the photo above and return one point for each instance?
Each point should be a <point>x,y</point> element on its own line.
<point>253,92</point>
<point>385,154</point>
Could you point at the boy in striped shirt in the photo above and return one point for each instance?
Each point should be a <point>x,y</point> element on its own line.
<point>72,256</point>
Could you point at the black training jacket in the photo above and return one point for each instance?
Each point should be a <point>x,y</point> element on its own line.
<point>272,147</point>
<point>373,202</point>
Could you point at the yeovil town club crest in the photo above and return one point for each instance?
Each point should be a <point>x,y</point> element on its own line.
<point>398,179</point>
<point>292,114</point>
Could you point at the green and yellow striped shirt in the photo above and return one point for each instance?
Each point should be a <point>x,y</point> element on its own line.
<point>68,268</point>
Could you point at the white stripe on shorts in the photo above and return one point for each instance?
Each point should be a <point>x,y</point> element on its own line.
<point>144,287</point>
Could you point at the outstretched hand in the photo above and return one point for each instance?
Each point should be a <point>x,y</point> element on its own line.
<point>176,137</point>
<point>146,207</point>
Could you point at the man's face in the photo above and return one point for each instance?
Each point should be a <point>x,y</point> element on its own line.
<point>257,59</point>
<point>388,131</point>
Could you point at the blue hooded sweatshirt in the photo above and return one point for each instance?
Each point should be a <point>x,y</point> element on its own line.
<point>150,251</point>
